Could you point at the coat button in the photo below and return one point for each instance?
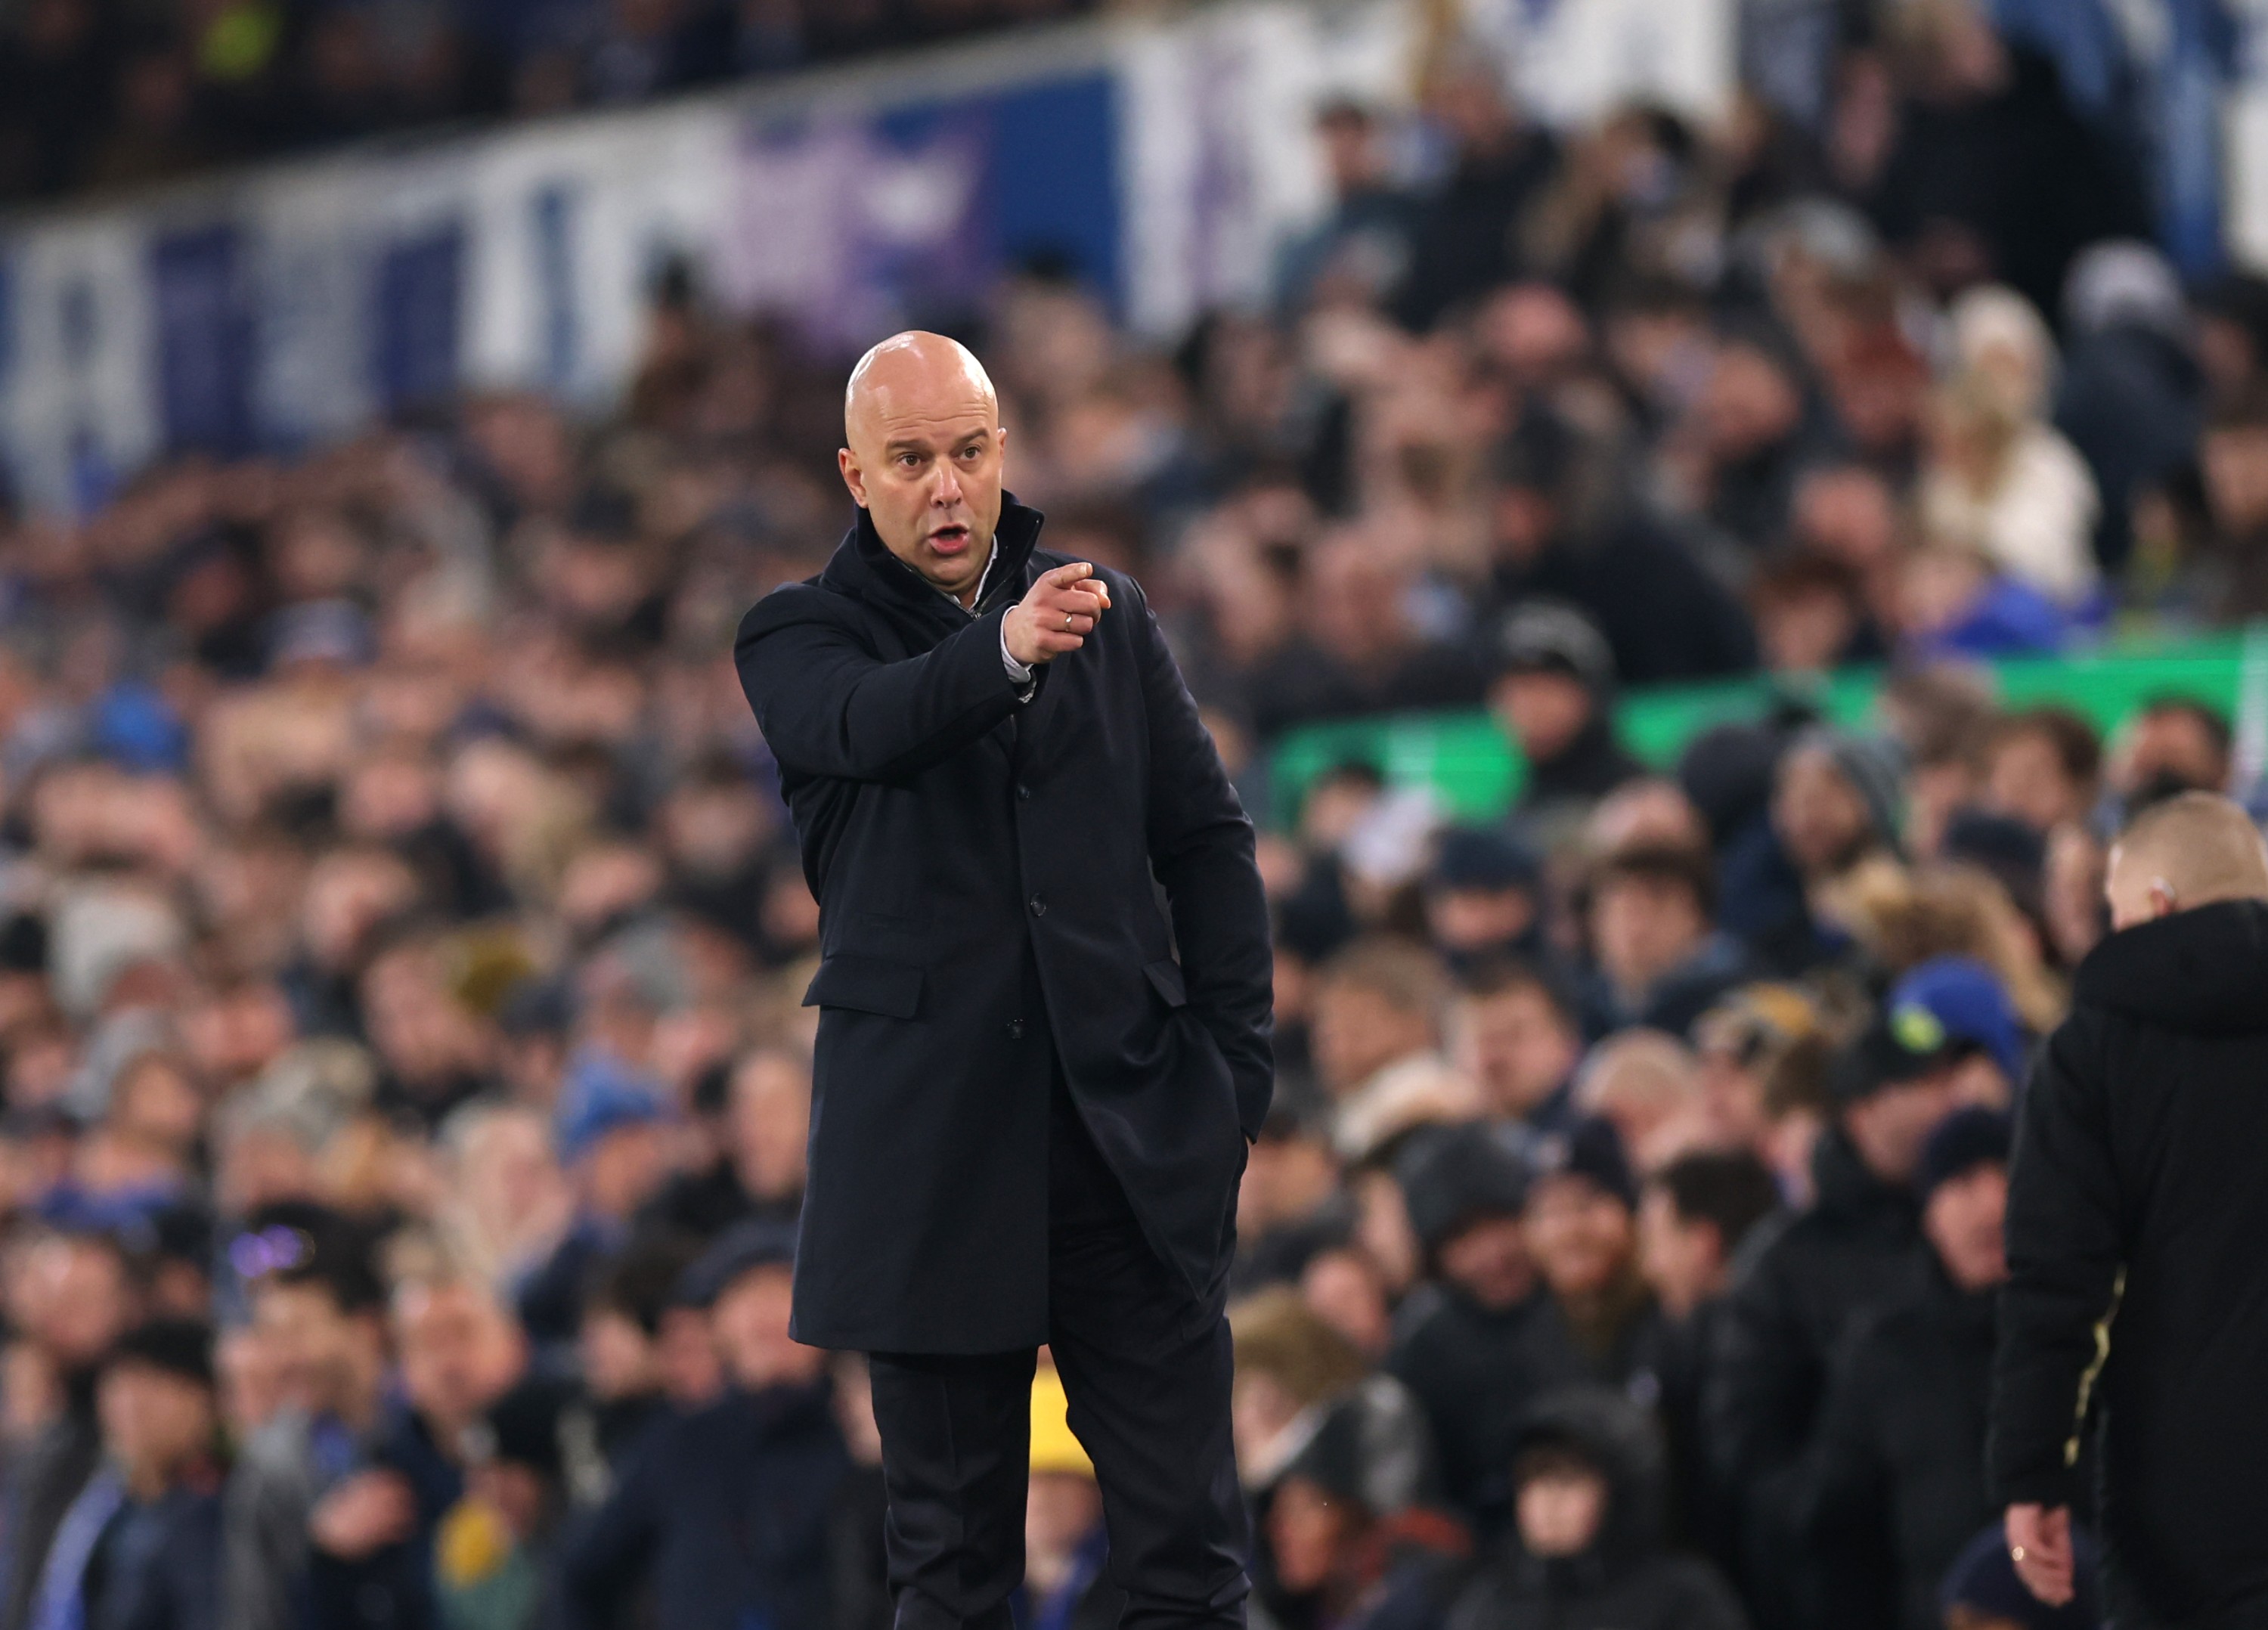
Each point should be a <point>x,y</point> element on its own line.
<point>1023,793</point>
<point>1039,906</point>
<point>1015,1029</point>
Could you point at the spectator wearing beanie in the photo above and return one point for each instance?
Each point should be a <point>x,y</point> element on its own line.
<point>1836,803</point>
<point>1586,1548</point>
<point>1553,695</point>
<point>1963,1001</point>
<point>141,1547</point>
<point>1803,1283</point>
<point>1896,1470</point>
<point>1482,897</point>
<point>1597,1320</point>
<point>1462,1338</point>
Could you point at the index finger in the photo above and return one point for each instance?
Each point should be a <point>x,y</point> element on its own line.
<point>1064,577</point>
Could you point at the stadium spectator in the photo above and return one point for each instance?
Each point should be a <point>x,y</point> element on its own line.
<point>1514,1035</point>
<point>724,1509</point>
<point>1797,1295</point>
<point>1586,1544</point>
<point>1658,963</point>
<point>1897,1466</point>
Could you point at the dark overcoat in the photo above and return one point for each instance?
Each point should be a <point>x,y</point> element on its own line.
<point>989,865</point>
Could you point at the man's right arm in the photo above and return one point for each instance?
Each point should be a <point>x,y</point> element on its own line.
<point>829,706</point>
<point>2065,1252</point>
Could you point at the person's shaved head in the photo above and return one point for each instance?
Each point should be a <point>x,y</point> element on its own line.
<point>923,456</point>
<point>2192,850</point>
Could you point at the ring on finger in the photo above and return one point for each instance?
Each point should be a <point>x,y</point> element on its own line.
<point>1066,621</point>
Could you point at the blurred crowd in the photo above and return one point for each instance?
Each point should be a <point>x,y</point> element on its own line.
<point>401,945</point>
<point>98,94</point>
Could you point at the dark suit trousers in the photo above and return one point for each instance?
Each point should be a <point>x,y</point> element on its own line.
<point>1146,1369</point>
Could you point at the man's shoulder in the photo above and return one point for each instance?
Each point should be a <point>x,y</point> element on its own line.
<point>814,599</point>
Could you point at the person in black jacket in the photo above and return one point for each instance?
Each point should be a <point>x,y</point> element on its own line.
<point>725,1511</point>
<point>1897,1466</point>
<point>1586,1552</point>
<point>1033,1086</point>
<point>1801,1284</point>
<point>1460,1338</point>
<point>2137,1219</point>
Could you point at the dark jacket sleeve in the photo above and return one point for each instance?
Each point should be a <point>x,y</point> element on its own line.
<point>829,706</point>
<point>1201,848</point>
<point>2065,1251</point>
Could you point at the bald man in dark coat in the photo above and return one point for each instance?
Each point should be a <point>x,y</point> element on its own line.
<point>1035,1082</point>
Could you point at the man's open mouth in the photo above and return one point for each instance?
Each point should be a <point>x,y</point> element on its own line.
<point>949,540</point>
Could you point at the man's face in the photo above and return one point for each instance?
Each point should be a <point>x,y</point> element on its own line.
<point>1963,1220</point>
<point>2171,744</point>
<point>1684,1261</point>
<point>153,1420</point>
<point>458,1352</point>
<point>1541,711</point>
<point>771,1124</point>
<point>1561,1511</point>
<point>1516,1046</point>
<point>1643,927</point>
<point>313,1343</point>
<point>751,1319</point>
<point>1890,1124</point>
<point>1478,919</point>
<point>1357,1031</point>
<point>2025,780</point>
<point>1488,1260</point>
<point>925,463</point>
<point>1581,1236</point>
<point>1307,1533</point>
<point>1819,815</point>
<point>77,1298</point>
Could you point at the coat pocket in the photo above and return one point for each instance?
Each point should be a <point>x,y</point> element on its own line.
<point>867,983</point>
<point>1165,977</point>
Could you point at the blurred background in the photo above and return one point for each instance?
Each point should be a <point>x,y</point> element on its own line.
<point>1691,522</point>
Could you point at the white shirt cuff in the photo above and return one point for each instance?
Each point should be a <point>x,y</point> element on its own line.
<point>1019,674</point>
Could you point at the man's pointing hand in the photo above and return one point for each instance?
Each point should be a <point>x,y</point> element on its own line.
<point>1058,615</point>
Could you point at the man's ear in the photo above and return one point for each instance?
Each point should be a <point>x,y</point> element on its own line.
<point>2163,902</point>
<point>853,477</point>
